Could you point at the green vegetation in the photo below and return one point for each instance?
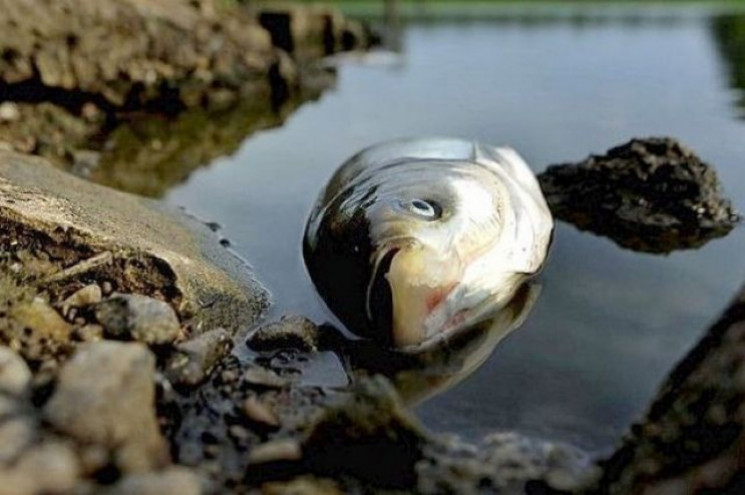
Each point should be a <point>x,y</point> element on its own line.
<point>729,33</point>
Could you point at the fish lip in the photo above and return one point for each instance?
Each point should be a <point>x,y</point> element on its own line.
<point>377,282</point>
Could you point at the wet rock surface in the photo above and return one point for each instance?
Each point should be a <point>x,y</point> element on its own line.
<point>66,233</point>
<point>292,332</point>
<point>651,195</point>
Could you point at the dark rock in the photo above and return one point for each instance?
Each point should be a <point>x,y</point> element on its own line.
<point>136,317</point>
<point>368,424</point>
<point>193,360</point>
<point>650,195</point>
<point>294,332</point>
<point>105,395</point>
<point>693,435</point>
<point>311,32</point>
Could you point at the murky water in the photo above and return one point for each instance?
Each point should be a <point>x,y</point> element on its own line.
<point>609,323</point>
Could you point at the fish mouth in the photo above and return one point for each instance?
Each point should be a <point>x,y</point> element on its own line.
<point>379,298</point>
<point>409,294</point>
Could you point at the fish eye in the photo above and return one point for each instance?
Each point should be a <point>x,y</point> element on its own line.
<point>423,208</point>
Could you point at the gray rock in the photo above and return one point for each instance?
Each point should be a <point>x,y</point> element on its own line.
<point>106,394</point>
<point>137,245</point>
<point>47,468</point>
<point>16,434</point>
<point>15,377</point>
<point>193,360</point>
<point>291,331</point>
<point>141,318</point>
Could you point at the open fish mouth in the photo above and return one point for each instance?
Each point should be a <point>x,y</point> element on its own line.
<point>379,299</point>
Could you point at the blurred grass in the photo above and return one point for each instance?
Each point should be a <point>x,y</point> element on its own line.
<point>483,8</point>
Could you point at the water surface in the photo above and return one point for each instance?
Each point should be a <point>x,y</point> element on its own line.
<point>609,323</point>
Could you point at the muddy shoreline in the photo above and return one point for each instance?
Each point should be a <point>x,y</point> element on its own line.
<point>121,319</point>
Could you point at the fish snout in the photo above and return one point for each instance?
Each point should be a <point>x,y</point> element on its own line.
<point>408,285</point>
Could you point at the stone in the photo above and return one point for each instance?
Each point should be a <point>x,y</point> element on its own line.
<point>258,412</point>
<point>47,468</point>
<point>193,360</point>
<point>302,485</point>
<point>295,332</point>
<point>368,423</point>
<point>16,434</point>
<point>43,319</point>
<point>9,112</point>
<point>171,480</point>
<point>275,451</point>
<point>652,195</point>
<point>90,294</point>
<point>693,434</point>
<point>137,317</point>
<point>138,245</point>
<point>15,377</point>
<point>106,394</point>
<point>264,377</point>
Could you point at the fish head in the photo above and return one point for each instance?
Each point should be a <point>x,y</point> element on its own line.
<point>440,240</point>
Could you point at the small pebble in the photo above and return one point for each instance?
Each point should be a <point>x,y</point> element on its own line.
<point>258,412</point>
<point>238,432</point>
<point>277,450</point>
<point>15,377</point>
<point>264,377</point>
<point>9,112</point>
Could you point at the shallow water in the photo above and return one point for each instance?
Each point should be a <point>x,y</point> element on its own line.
<point>609,323</point>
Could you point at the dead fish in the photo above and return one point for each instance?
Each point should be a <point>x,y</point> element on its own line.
<point>414,240</point>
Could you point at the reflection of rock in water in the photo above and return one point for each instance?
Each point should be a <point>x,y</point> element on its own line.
<point>148,156</point>
<point>148,153</point>
<point>729,34</point>
<point>651,195</point>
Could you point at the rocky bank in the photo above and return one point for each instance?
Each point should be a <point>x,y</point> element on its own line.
<point>137,94</point>
<point>124,364</point>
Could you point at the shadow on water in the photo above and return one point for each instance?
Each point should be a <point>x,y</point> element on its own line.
<point>729,35</point>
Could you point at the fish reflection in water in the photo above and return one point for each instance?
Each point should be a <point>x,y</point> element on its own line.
<point>436,367</point>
